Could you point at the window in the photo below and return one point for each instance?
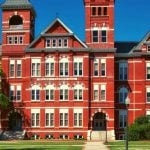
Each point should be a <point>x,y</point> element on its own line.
<point>64,67</point>
<point>35,117</point>
<point>19,69</point>
<point>148,48</point>
<point>103,67</point>
<point>35,93</point>
<point>49,93</point>
<point>78,117</point>
<point>123,67</point>
<point>103,36</point>
<point>64,92</point>
<point>12,68</point>
<point>123,93</point>
<point>122,118</point>
<point>103,92</point>
<point>95,94</point>
<point>93,11</point>
<point>48,43</point>
<point>65,42</point>
<point>36,67</point>
<point>105,11</point>
<point>78,92</point>
<point>99,11</point>
<point>49,67</point>
<point>148,114</point>
<point>63,118</point>
<point>78,66</point>
<point>12,93</point>
<point>15,39</point>
<point>95,36</point>
<point>18,93</point>
<point>49,117</point>
<point>148,94</point>
<point>95,68</point>
<point>54,43</point>
<point>15,93</point>
<point>148,70</point>
<point>59,42</point>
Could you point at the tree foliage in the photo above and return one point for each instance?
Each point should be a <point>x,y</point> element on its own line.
<point>140,129</point>
<point>4,101</point>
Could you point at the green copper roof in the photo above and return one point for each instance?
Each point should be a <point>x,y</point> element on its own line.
<point>17,4</point>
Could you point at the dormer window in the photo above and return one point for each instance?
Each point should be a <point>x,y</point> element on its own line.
<point>56,42</point>
<point>16,22</point>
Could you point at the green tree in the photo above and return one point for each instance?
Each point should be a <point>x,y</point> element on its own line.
<point>4,101</point>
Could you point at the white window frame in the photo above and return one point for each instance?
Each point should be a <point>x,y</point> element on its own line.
<point>103,61</point>
<point>36,62</point>
<point>51,73</point>
<point>96,88</point>
<point>35,88</point>
<point>95,30</point>
<point>48,42</point>
<point>78,89</point>
<point>35,119</point>
<point>50,120</point>
<point>50,88</point>
<point>103,88</point>
<point>19,62</point>
<point>96,61</point>
<point>78,61</point>
<point>15,39</point>
<point>63,61</point>
<point>147,68</point>
<point>147,91</point>
<point>12,63</point>
<point>64,88</point>
<point>63,112</point>
<point>78,112</point>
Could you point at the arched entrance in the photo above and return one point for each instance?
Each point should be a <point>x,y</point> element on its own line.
<point>15,121</point>
<point>99,122</point>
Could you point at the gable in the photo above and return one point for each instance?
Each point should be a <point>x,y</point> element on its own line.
<point>57,30</point>
<point>143,46</point>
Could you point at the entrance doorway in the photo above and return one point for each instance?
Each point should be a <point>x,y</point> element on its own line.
<point>15,121</point>
<point>99,122</point>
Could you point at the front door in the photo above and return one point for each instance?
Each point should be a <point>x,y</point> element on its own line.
<point>15,122</point>
<point>99,122</point>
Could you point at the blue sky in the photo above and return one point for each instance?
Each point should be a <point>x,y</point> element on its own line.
<point>132,17</point>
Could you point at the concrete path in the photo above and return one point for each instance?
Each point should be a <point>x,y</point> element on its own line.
<point>95,146</point>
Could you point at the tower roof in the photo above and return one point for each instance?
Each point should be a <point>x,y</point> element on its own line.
<point>16,4</point>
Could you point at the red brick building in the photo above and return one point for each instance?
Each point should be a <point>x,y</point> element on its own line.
<point>62,87</point>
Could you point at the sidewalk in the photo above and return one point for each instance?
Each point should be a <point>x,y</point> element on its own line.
<point>95,146</point>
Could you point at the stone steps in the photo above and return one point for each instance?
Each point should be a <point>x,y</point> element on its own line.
<point>12,135</point>
<point>98,135</point>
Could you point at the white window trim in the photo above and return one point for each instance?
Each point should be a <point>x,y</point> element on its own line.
<point>50,111</point>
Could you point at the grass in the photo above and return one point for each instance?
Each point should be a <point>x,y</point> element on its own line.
<point>38,145</point>
<point>133,145</point>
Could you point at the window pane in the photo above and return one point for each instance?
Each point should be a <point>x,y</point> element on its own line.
<point>93,11</point>
<point>95,36</point>
<point>99,11</point>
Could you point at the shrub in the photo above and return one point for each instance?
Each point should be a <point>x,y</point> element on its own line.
<point>140,130</point>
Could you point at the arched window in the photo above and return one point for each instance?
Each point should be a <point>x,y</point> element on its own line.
<point>64,93</point>
<point>64,67</point>
<point>78,92</point>
<point>49,93</point>
<point>35,93</point>
<point>16,22</point>
<point>123,93</point>
<point>49,67</point>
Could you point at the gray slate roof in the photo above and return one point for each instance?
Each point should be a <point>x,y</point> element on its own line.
<point>17,4</point>
<point>124,47</point>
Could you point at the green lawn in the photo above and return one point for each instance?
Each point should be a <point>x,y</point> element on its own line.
<point>45,145</point>
<point>137,145</point>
